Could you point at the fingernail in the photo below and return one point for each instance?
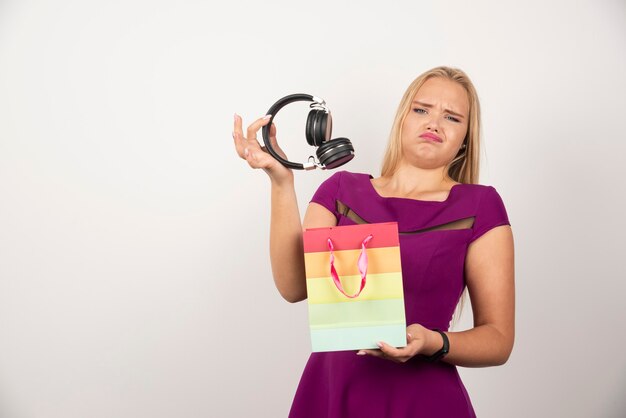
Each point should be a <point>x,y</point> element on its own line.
<point>360,353</point>
<point>245,152</point>
<point>235,117</point>
<point>410,336</point>
<point>379,344</point>
<point>266,117</point>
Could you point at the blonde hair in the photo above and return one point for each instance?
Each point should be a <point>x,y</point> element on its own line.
<point>465,165</point>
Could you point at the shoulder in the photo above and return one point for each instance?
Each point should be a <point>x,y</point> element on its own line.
<point>341,185</point>
<point>479,191</point>
<point>478,188</point>
<point>488,192</point>
<point>490,211</point>
<point>478,199</point>
<point>350,174</point>
<point>336,182</point>
<point>343,177</point>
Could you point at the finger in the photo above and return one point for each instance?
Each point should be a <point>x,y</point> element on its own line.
<point>256,125</point>
<point>240,141</point>
<point>374,353</point>
<point>274,142</point>
<point>272,138</point>
<point>273,134</point>
<point>239,144</point>
<point>237,125</point>
<point>383,355</point>
<point>262,143</point>
<point>400,353</point>
<point>390,350</point>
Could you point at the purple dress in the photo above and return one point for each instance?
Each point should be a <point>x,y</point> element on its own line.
<point>343,385</point>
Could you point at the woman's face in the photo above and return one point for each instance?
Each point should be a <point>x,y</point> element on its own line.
<point>439,110</point>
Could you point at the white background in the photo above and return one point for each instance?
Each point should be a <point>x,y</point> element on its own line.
<point>134,263</point>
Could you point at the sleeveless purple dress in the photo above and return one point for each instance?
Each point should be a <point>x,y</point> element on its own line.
<point>343,385</point>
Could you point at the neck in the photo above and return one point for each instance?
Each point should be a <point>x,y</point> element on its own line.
<point>411,179</point>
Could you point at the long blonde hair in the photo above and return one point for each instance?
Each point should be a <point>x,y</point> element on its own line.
<point>464,167</point>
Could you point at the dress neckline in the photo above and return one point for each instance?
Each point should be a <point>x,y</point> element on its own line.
<point>373,189</point>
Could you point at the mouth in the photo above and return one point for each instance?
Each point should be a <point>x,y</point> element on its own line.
<point>431,137</point>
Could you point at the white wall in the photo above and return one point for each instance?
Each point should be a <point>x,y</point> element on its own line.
<point>134,269</point>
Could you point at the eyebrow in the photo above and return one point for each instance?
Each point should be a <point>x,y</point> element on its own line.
<point>429,106</point>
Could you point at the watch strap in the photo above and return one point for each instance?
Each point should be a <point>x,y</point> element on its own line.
<point>442,351</point>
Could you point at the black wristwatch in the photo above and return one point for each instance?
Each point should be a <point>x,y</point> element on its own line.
<point>443,351</point>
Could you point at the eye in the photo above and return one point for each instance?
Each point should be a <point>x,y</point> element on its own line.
<point>452,118</point>
<point>418,110</point>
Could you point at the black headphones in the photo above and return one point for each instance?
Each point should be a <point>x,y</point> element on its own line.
<point>331,153</point>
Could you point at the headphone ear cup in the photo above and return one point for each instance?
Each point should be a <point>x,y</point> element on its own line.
<point>336,152</point>
<point>308,130</point>
<point>318,127</point>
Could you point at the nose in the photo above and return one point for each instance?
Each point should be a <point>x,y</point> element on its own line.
<point>433,124</point>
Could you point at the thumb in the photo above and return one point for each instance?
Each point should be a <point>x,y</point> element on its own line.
<point>273,140</point>
<point>273,131</point>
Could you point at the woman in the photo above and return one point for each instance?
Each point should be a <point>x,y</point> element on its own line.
<point>455,234</point>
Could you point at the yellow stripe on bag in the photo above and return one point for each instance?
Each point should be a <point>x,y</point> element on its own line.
<point>380,260</point>
<point>378,286</point>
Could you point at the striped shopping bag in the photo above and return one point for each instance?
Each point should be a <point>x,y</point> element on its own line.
<point>354,286</point>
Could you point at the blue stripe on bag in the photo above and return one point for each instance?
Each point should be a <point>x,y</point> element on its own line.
<point>364,337</point>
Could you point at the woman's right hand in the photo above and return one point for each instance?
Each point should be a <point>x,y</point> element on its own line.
<point>249,149</point>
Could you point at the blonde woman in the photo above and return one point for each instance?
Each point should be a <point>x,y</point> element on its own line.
<point>455,235</point>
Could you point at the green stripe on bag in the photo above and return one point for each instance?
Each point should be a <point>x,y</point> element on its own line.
<point>356,314</point>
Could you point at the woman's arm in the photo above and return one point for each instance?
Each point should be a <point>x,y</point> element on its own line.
<point>489,270</point>
<point>286,248</point>
<point>490,277</point>
<point>286,253</point>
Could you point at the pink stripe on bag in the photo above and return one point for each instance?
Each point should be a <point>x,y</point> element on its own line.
<point>349,236</point>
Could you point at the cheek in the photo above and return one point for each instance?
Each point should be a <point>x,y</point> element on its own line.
<point>410,125</point>
<point>405,131</point>
<point>460,133</point>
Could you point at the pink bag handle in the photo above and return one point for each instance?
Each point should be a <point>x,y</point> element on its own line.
<point>362,264</point>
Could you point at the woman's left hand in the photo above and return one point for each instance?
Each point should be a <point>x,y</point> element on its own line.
<point>417,339</point>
